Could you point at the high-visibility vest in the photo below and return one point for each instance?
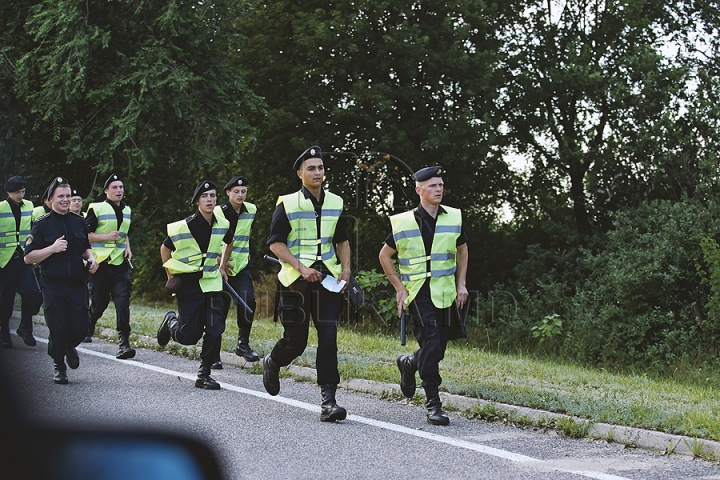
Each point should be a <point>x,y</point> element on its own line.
<point>10,236</point>
<point>241,239</point>
<point>107,222</point>
<point>188,258</point>
<point>303,239</point>
<point>413,260</point>
<point>38,212</point>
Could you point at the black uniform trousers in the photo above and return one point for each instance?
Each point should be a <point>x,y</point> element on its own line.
<point>199,313</point>
<point>66,314</point>
<point>111,280</point>
<point>243,285</point>
<point>431,327</point>
<point>17,277</point>
<point>297,304</point>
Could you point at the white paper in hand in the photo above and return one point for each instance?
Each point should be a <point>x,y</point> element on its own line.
<point>330,283</point>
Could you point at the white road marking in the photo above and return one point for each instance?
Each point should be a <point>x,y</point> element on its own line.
<point>495,452</point>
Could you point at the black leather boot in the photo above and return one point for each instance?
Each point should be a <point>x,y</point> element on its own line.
<point>435,413</point>
<point>25,332</point>
<point>271,375</point>
<point>73,359</point>
<point>60,372</point>
<point>407,366</point>
<point>124,348</point>
<point>204,379</point>
<point>330,411</point>
<point>90,333</point>
<point>5,341</point>
<point>163,333</point>
<point>243,350</point>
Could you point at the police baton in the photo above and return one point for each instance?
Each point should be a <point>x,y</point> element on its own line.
<point>402,328</point>
<point>277,289</point>
<point>238,299</point>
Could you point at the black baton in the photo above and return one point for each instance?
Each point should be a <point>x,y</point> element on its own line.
<point>238,299</point>
<point>402,328</point>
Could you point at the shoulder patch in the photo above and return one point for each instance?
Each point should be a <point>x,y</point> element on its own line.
<point>28,240</point>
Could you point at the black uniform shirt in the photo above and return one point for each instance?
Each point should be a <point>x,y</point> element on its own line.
<point>92,221</point>
<point>280,226</point>
<point>67,265</point>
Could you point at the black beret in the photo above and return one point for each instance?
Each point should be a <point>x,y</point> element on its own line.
<point>236,181</point>
<point>75,193</point>
<point>312,152</point>
<point>15,183</point>
<point>56,183</point>
<point>203,187</point>
<point>112,178</point>
<point>428,173</point>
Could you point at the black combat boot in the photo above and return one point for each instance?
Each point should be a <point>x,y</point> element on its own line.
<point>90,333</point>
<point>407,366</point>
<point>204,379</point>
<point>60,372</point>
<point>330,411</point>
<point>163,333</point>
<point>124,348</point>
<point>243,350</point>
<point>271,375</point>
<point>73,359</point>
<point>435,413</point>
<point>5,341</point>
<point>24,331</point>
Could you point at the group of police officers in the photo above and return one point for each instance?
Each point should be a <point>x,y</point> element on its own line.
<point>68,257</point>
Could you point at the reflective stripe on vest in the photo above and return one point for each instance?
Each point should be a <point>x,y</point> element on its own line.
<point>413,260</point>
<point>241,239</point>
<point>303,239</point>
<point>107,222</point>
<point>187,257</point>
<point>10,237</point>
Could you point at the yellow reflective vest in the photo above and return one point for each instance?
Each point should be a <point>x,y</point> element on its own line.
<point>114,252</point>
<point>413,260</point>
<point>10,236</point>
<point>304,239</point>
<point>241,238</point>
<point>188,258</point>
<point>38,212</point>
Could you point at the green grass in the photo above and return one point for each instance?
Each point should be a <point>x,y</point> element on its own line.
<point>682,404</point>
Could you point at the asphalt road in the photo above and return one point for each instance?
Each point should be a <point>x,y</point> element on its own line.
<point>259,436</point>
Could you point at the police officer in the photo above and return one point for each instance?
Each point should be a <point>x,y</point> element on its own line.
<point>76,203</point>
<point>432,256</point>
<point>191,257</point>
<point>310,238</point>
<point>15,276</point>
<point>235,261</point>
<point>58,242</point>
<point>108,224</point>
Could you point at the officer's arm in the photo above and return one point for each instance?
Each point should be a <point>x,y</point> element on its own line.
<point>128,253</point>
<point>226,253</point>
<point>92,264</point>
<point>460,275</point>
<point>388,267</point>
<point>343,253</point>
<point>37,256</point>
<point>165,254</point>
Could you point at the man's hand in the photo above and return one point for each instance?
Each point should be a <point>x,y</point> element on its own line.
<point>462,296</point>
<point>128,253</point>
<point>60,245</point>
<point>310,274</point>
<point>112,236</point>
<point>345,275</point>
<point>92,265</point>
<point>400,298</point>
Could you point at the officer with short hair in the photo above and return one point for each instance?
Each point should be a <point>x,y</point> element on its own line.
<point>310,238</point>
<point>235,261</point>
<point>432,257</point>
<point>15,276</point>
<point>191,256</point>
<point>58,242</point>
<point>108,224</point>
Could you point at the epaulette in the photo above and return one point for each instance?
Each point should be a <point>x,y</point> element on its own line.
<point>78,214</point>
<point>42,217</point>
<point>224,206</point>
<point>191,217</point>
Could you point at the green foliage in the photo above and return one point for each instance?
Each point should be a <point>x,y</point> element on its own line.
<point>380,306</point>
<point>550,326</point>
<point>711,278</point>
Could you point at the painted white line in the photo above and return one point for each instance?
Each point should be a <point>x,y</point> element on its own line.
<point>495,452</point>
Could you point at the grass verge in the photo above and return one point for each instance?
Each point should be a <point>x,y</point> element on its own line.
<point>669,405</point>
